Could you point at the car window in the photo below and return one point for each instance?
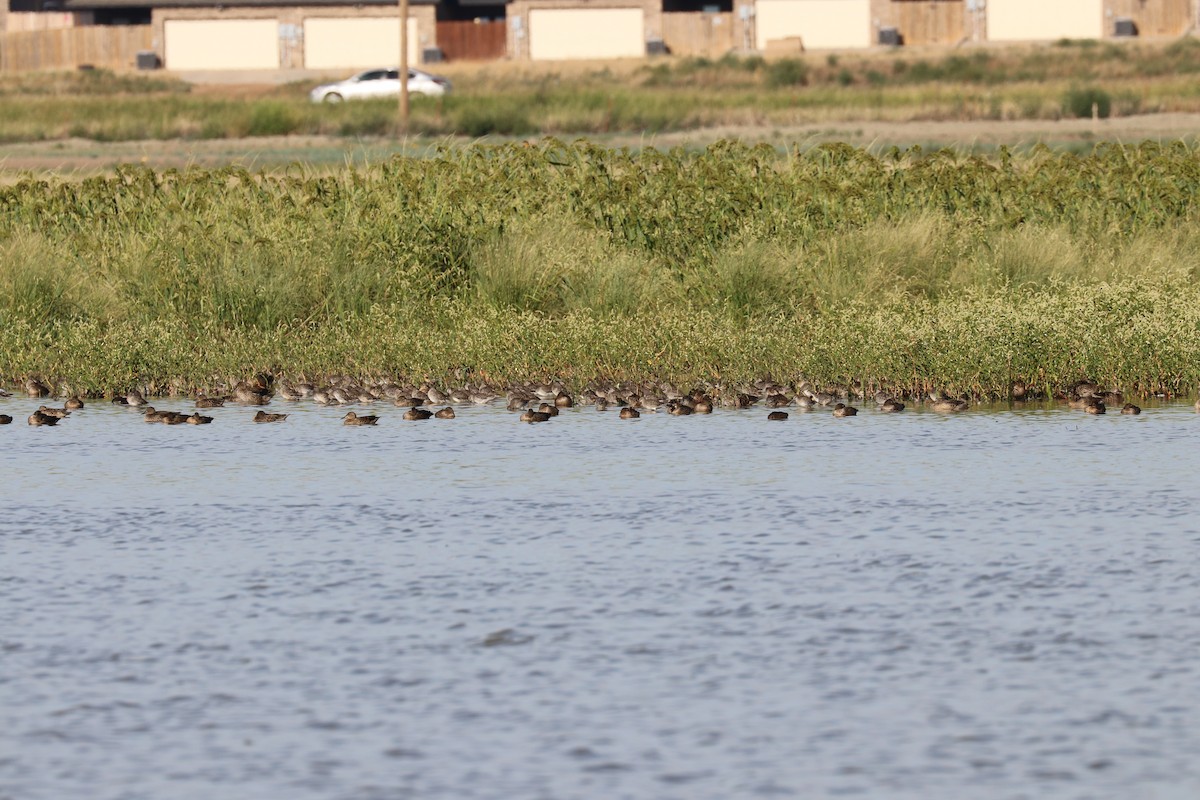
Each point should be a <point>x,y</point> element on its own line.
<point>372,76</point>
<point>393,75</point>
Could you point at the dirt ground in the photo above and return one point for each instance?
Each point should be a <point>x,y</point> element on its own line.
<point>80,157</point>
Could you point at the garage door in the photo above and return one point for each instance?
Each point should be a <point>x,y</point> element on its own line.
<point>820,23</point>
<point>353,42</point>
<point>221,44</point>
<point>561,33</point>
<point>1031,20</point>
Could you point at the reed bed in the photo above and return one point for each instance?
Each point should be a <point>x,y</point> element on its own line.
<point>561,260</point>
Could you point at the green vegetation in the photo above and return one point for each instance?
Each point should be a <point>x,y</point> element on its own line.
<point>1046,82</point>
<point>522,261</point>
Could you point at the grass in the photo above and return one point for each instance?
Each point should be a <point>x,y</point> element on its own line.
<point>1040,83</point>
<point>524,262</point>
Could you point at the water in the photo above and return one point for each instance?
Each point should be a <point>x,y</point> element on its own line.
<point>998,604</point>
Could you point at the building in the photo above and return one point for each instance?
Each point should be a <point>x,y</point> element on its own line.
<point>338,35</point>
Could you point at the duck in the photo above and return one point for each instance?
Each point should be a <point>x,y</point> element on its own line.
<point>35,388</point>
<point>5,419</point>
<point>209,402</point>
<point>704,405</point>
<point>173,418</point>
<point>1083,389</point>
<point>413,413</point>
<point>445,413</point>
<point>546,408</point>
<point>517,402</point>
<point>263,416</point>
<point>819,398</point>
<point>546,391</point>
<point>73,403</point>
<point>369,419</point>
<point>1019,390</point>
<point>37,418</point>
<point>134,398</point>
<point>1095,406</point>
<point>628,412</point>
<point>777,415</point>
<point>563,400</point>
<point>1130,408</point>
<point>150,414</point>
<point>250,396</point>
<point>198,419</point>
<point>601,404</point>
<point>946,405</point>
<point>54,412</point>
<point>843,410</point>
<point>743,400</point>
<point>289,392</point>
<point>891,406</point>
<point>534,416</point>
<point>677,409</point>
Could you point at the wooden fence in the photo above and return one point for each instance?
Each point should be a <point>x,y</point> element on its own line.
<point>472,41</point>
<point>690,33</point>
<point>923,22</point>
<point>103,46</point>
<point>1157,18</point>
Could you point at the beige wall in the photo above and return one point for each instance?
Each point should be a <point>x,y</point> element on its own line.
<point>349,42</point>
<point>221,44</point>
<point>566,33</point>
<point>1034,20</point>
<point>290,22</point>
<point>820,24</point>
<point>520,12</point>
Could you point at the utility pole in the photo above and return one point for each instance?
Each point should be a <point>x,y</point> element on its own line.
<point>402,129</point>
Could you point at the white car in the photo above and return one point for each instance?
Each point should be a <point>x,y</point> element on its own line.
<point>379,83</point>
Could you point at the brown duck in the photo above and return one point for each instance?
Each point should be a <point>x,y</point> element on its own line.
<point>263,416</point>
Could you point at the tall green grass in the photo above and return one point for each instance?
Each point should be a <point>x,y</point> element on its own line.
<point>1047,82</point>
<point>573,260</point>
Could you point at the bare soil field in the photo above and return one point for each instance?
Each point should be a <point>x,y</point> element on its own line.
<point>83,157</point>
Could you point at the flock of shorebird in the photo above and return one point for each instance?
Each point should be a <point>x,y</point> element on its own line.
<point>541,402</point>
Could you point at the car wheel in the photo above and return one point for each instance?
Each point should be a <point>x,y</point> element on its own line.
<point>333,97</point>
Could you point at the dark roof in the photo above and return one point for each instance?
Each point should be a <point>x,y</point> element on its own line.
<point>88,5</point>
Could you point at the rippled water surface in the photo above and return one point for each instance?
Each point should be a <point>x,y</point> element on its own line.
<point>998,604</point>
